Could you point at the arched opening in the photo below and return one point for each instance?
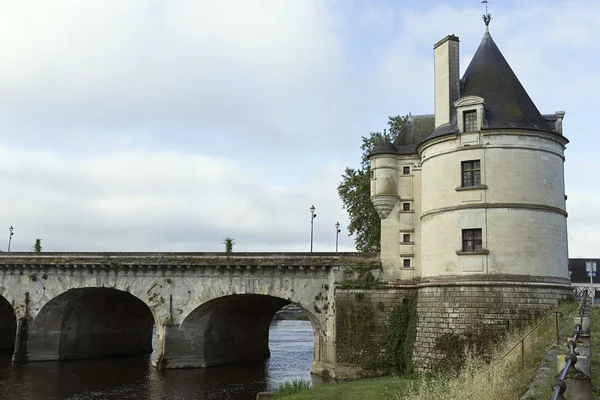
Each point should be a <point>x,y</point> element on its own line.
<point>226,330</point>
<point>8,326</point>
<point>91,323</point>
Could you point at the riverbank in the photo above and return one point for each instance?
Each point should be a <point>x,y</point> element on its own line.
<point>476,380</point>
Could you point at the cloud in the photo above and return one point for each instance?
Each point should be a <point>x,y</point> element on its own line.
<point>242,69</point>
<point>168,201</point>
<point>146,125</point>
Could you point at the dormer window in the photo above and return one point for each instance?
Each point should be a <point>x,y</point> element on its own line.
<point>470,113</point>
<point>470,121</point>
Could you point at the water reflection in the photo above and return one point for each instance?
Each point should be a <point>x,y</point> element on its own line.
<point>291,344</point>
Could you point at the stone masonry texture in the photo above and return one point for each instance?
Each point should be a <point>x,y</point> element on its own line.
<point>479,309</point>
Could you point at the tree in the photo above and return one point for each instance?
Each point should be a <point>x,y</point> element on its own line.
<point>228,242</point>
<point>37,247</point>
<point>355,191</point>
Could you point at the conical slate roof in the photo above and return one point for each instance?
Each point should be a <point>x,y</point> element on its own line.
<point>416,129</point>
<point>507,104</point>
<point>384,146</point>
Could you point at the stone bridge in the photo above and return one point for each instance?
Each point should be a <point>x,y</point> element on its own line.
<point>205,309</point>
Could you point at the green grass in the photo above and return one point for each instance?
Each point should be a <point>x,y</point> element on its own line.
<point>595,350</point>
<point>377,389</point>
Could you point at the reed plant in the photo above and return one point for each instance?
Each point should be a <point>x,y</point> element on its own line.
<point>505,377</point>
<point>295,386</point>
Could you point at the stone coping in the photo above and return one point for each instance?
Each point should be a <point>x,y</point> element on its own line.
<point>483,279</point>
<point>165,260</point>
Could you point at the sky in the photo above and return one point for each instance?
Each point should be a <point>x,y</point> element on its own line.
<point>155,125</point>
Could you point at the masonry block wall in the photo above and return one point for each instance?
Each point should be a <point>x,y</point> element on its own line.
<point>479,312</point>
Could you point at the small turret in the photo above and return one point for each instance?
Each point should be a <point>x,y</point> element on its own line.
<point>384,169</point>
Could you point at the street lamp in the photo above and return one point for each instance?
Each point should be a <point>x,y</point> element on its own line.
<point>312,218</point>
<point>337,233</point>
<point>10,236</point>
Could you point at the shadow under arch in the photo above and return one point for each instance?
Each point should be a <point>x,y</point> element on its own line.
<point>91,323</point>
<point>8,325</point>
<point>226,330</point>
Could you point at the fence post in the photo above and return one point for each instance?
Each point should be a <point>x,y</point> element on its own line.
<point>557,332</point>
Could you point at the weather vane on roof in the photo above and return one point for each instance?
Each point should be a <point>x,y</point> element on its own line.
<point>487,17</point>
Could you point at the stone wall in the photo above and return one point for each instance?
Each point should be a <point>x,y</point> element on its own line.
<point>361,320</point>
<point>478,313</point>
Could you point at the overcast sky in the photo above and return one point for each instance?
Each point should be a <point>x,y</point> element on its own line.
<point>154,125</point>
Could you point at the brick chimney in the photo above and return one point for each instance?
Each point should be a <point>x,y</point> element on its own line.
<point>446,78</point>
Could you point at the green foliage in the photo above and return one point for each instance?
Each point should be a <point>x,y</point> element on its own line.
<point>228,242</point>
<point>37,247</point>
<point>363,280</point>
<point>287,388</point>
<point>402,330</point>
<point>366,339</point>
<point>355,191</point>
<point>595,350</point>
<point>358,334</point>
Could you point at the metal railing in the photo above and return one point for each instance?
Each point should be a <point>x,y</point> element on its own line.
<point>522,341</point>
<point>559,385</point>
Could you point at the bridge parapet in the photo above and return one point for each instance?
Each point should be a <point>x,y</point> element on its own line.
<point>177,264</point>
<point>189,259</point>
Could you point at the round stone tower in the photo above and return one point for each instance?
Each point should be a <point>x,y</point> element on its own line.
<point>472,203</point>
<point>493,220</point>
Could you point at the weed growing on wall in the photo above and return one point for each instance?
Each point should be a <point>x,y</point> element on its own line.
<point>379,343</point>
<point>402,329</point>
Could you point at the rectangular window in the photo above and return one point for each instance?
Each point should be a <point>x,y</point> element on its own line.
<point>372,174</point>
<point>471,173</point>
<point>406,238</point>
<point>406,263</point>
<point>406,206</point>
<point>471,239</point>
<point>470,121</point>
<point>406,170</point>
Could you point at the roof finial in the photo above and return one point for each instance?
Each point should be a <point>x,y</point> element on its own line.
<point>487,17</point>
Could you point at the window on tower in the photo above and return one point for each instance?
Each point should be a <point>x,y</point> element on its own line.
<point>471,240</point>
<point>470,121</point>
<point>471,173</point>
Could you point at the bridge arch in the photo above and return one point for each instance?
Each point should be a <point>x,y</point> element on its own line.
<point>91,322</point>
<point>227,329</point>
<point>8,325</point>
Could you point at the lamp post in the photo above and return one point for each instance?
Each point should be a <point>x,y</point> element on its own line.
<point>10,236</point>
<point>337,233</point>
<point>312,218</point>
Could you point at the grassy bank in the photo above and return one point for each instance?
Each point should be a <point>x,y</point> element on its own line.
<point>378,388</point>
<point>595,350</point>
<point>504,379</point>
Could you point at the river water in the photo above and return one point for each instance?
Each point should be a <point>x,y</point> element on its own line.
<point>291,344</point>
